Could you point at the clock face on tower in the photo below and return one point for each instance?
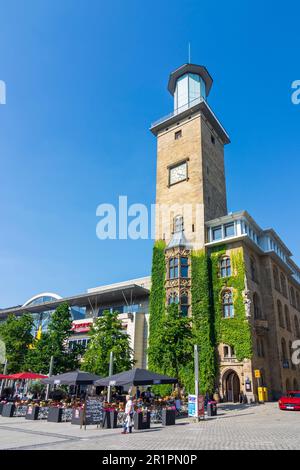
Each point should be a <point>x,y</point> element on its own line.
<point>178,173</point>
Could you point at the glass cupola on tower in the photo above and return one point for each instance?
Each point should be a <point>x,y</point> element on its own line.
<point>189,84</point>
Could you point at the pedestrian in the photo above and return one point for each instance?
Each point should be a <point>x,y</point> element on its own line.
<point>128,415</point>
<point>137,393</point>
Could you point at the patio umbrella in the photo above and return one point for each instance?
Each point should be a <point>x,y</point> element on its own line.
<point>26,376</point>
<point>136,377</point>
<point>76,377</point>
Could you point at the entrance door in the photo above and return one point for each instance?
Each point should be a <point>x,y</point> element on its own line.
<point>232,387</point>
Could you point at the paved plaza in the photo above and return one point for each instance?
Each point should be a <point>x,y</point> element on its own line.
<point>236,427</point>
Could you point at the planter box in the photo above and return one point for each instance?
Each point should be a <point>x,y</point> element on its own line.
<point>8,410</point>
<point>32,412</point>
<point>55,415</point>
<point>168,417</point>
<point>110,419</point>
<point>142,420</point>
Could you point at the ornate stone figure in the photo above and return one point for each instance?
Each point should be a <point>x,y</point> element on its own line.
<point>247,303</point>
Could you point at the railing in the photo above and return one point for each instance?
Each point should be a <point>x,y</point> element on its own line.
<point>179,110</point>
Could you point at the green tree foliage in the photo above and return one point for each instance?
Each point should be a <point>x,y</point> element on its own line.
<point>173,354</point>
<point>202,317</point>
<point>107,335</point>
<point>157,301</point>
<point>55,343</point>
<point>15,332</point>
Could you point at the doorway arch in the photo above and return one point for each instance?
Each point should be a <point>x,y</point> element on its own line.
<point>231,386</point>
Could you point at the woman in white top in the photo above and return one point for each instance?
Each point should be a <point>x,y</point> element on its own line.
<point>128,415</point>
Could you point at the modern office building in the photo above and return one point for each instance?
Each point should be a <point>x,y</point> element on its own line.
<point>130,299</point>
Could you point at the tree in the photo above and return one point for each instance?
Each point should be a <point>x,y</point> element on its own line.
<point>16,333</point>
<point>54,343</point>
<point>107,335</point>
<point>174,346</point>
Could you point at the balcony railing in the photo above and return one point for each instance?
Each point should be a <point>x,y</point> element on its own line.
<point>179,110</point>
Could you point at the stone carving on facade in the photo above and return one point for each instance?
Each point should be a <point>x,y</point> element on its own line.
<point>247,302</point>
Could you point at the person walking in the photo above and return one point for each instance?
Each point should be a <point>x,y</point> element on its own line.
<point>128,415</point>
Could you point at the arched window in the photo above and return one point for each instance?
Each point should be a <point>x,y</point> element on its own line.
<point>283,284</point>
<point>297,300</point>
<point>225,266</point>
<point>173,298</point>
<point>287,318</point>
<point>276,278</point>
<point>297,329</point>
<point>293,298</point>
<point>253,269</point>
<point>178,224</point>
<point>184,304</point>
<point>227,302</point>
<point>280,314</point>
<point>257,307</point>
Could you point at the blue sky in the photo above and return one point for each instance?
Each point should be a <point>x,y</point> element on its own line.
<point>84,82</point>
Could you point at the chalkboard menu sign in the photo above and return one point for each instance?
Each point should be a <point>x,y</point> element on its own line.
<point>92,411</point>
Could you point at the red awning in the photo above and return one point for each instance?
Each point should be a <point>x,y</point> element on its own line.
<point>26,376</point>
<point>2,377</point>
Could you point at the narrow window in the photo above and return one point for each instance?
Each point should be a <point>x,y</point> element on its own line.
<point>227,301</point>
<point>217,233</point>
<point>178,135</point>
<point>280,314</point>
<point>184,267</point>
<point>184,304</point>
<point>229,230</point>
<point>173,268</point>
<point>225,267</point>
<point>253,269</point>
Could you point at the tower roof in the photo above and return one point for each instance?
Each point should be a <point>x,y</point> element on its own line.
<point>190,68</point>
<point>178,240</point>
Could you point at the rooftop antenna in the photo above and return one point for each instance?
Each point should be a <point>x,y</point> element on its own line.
<point>189,52</point>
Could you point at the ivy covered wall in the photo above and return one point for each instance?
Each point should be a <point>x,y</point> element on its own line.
<point>157,299</point>
<point>202,317</point>
<point>209,328</point>
<point>235,331</point>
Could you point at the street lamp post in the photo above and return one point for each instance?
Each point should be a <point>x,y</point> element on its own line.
<point>196,372</point>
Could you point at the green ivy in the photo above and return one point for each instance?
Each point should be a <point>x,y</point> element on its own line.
<point>209,328</point>
<point>232,331</point>
<point>202,316</point>
<point>157,305</point>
